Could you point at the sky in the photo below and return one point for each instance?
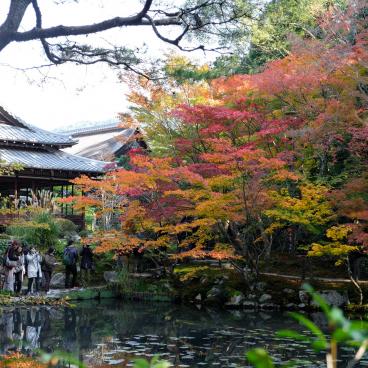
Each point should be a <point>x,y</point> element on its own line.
<point>54,97</point>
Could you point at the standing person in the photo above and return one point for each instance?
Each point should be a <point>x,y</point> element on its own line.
<point>86,264</point>
<point>34,272</point>
<point>47,266</point>
<point>11,260</point>
<point>33,329</point>
<point>70,258</point>
<point>19,270</point>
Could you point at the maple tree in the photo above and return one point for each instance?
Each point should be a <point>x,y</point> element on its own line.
<point>303,215</point>
<point>153,100</point>
<point>241,166</point>
<point>338,247</point>
<point>209,205</point>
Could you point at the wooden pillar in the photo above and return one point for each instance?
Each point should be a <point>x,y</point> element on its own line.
<point>62,196</point>
<point>72,196</point>
<point>66,204</point>
<point>16,191</point>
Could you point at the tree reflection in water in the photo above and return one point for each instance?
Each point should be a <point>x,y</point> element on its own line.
<point>116,332</point>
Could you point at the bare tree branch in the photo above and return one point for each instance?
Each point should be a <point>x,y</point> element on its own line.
<point>204,18</point>
<point>44,43</point>
<point>9,29</point>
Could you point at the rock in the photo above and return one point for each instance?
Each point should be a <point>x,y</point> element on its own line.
<point>265,298</point>
<point>288,291</point>
<point>260,286</point>
<point>269,306</point>
<point>304,297</point>
<point>236,300</point>
<point>57,281</point>
<point>219,281</point>
<point>251,296</point>
<point>247,304</point>
<point>237,313</point>
<point>301,305</point>
<point>291,306</point>
<point>334,298</point>
<point>203,280</point>
<point>214,294</point>
<point>198,297</point>
<point>110,276</point>
<point>265,316</point>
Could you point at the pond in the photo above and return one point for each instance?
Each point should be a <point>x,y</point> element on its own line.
<point>114,332</point>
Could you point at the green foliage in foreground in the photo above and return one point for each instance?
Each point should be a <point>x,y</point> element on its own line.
<point>342,331</point>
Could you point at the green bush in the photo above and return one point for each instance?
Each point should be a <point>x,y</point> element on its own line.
<point>3,245</point>
<point>66,227</point>
<point>59,246</point>
<point>40,229</point>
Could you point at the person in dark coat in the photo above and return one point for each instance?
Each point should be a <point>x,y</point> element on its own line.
<point>12,261</point>
<point>20,270</point>
<point>48,266</point>
<point>70,261</point>
<point>86,264</point>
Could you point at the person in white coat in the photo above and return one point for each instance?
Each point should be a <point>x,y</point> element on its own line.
<point>34,272</point>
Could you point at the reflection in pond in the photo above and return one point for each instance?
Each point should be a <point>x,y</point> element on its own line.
<point>113,332</point>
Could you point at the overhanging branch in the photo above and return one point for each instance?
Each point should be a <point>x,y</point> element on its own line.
<point>60,31</point>
<point>203,19</point>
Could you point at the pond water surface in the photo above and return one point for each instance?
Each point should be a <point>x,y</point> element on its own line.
<point>114,332</point>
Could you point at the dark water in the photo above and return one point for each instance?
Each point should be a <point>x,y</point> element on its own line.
<point>113,332</point>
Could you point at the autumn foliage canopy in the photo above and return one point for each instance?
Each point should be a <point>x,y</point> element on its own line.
<point>243,165</point>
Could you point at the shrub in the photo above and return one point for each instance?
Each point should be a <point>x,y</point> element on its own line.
<point>66,227</point>
<point>40,229</point>
<point>3,245</point>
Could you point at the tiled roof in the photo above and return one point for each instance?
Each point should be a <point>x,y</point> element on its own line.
<point>90,128</point>
<point>21,135</point>
<point>102,147</point>
<point>51,160</point>
<point>14,129</point>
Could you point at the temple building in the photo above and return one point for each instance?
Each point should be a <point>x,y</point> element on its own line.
<point>104,141</point>
<point>44,163</point>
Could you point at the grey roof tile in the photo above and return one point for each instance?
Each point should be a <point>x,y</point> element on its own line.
<point>90,127</point>
<point>52,160</point>
<point>35,135</point>
<point>106,148</point>
<point>15,129</point>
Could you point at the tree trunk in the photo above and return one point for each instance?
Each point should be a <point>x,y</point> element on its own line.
<point>12,22</point>
<point>354,281</point>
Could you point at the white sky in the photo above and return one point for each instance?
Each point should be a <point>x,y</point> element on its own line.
<point>71,93</point>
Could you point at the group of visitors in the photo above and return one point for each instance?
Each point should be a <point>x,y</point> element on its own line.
<point>70,259</point>
<point>22,261</point>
